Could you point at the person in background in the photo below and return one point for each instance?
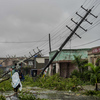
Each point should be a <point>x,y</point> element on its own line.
<point>16,84</point>
<point>21,76</point>
<point>12,70</point>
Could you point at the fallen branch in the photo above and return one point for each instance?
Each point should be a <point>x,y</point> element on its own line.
<point>11,95</point>
<point>4,79</point>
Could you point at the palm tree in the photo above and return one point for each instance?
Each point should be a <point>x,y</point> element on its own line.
<point>95,71</point>
<point>79,62</point>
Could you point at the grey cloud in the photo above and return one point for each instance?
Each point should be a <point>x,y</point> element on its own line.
<point>28,20</point>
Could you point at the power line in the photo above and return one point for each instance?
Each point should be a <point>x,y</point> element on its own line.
<point>25,41</point>
<point>87,43</point>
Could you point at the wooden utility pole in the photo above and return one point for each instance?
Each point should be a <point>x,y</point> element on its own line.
<point>49,43</point>
<point>66,40</point>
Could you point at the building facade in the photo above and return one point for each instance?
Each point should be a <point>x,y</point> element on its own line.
<point>38,64</point>
<point>94,56</point>
<point>62,64</point>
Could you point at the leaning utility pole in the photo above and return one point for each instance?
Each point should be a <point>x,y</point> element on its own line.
<point>69,37</point>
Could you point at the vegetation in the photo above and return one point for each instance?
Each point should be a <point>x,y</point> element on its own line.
<point>6,86</point>
<point>95,71</point>
<point>54,82</point>
<point>27,96</point>
<point>98,61</point>
<point>24,96</point>
<point>1,71</point>
<point>84,77</point>
<point>92,93</point>
<point>80,63</point>
<point>2,97</point>
<point>85,74</point>
<point>28,81</point>
<point>51,82</point>
<point>82,73</point>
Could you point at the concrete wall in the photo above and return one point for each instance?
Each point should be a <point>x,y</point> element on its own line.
<point>41,62</point>
<point>66,69</point>
<point>72,68</point>
<point>63,70</point>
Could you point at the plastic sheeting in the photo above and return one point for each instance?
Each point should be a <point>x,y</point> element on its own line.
<point>16,81</point>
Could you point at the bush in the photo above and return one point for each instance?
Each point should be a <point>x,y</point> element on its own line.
<point>27,81</point>
<point>75,73</point>
<point>73,83</point>
<point>50,82</point>
<point>92,79</point>
<point>2,97</point>
<point>84,76</point>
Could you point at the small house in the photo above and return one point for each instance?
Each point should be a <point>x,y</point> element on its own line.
<point>62,64</point>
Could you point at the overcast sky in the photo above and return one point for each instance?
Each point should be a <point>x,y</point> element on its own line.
<point>25,25</point>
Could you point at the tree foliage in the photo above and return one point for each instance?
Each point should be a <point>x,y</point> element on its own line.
<point>95,71</point>
<point>80,63</point>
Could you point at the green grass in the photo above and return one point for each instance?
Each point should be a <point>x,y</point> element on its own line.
<point>6,86</point>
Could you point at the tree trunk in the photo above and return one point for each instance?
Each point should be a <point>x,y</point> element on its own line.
<point>96,87</point>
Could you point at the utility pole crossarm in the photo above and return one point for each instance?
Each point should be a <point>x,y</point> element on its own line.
<point>90,12</point>
<point>77,24</point>
<point>72,30</point>
<point>85,19</point>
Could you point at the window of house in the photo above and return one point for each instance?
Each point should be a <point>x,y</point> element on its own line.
<point>30,63</point>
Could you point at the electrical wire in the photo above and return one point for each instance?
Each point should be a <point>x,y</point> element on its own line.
<point>87,43</point>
